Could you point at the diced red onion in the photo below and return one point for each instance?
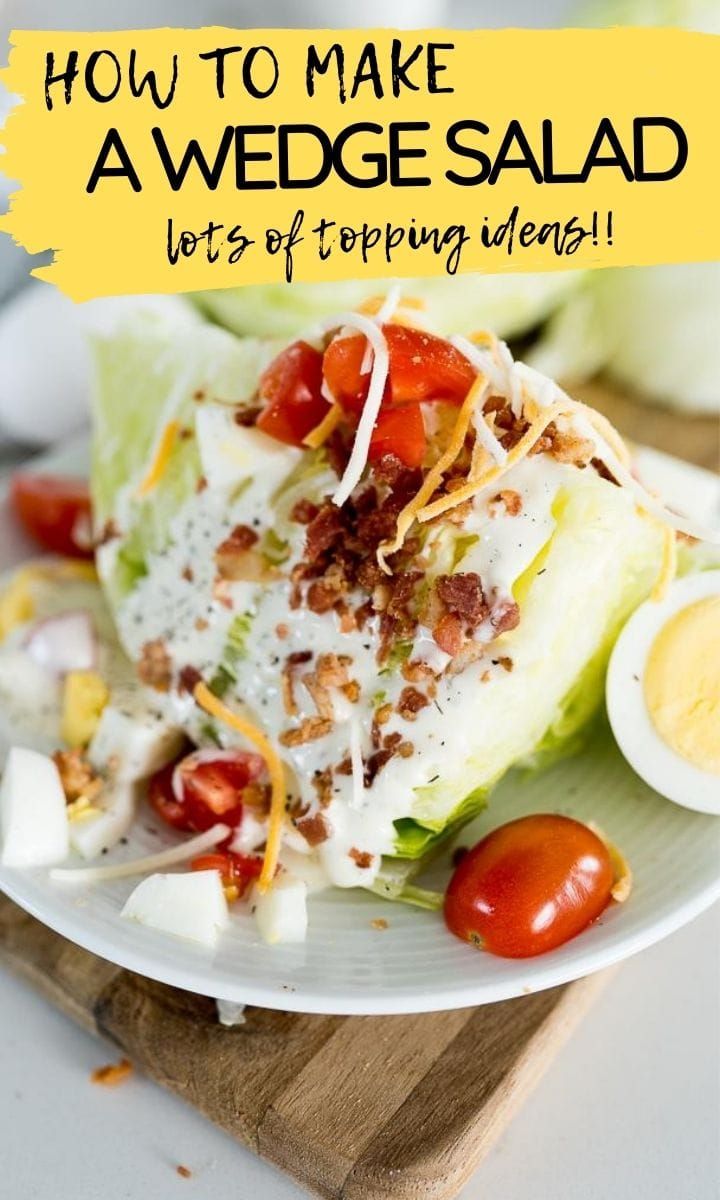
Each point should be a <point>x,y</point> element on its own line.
<point>65,642</point>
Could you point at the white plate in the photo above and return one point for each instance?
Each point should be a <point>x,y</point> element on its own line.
<point>414,965</point>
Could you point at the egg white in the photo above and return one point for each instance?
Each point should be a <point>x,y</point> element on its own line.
<point>673,776</point>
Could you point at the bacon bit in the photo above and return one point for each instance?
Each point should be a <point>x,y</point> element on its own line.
<point>351,690</point>
<point>188,679</point>
<point>232,557</point>
<point>505,616</point>
<point>246,415</point>
<point>411,702</point>
<point>257,796</point>
<point>282,631</point>
<point>295,659</point>
<point>346,617</point>
<point>185,1172</point>
<point>512,501</point>
<point>201,484</point>
<point>324,593</point>
<point>345,766</point>
<point>303,512</point>
<point>309,730</point>
<point>201,624</point>
<point>569,448</point>
<point>109,531</point>
<point>485,677</point>
<point>332,669</point>
<point>322,782</point>
<point>315,829</point>
<point>448,634</point>
<point>406,749</point>
<point>378,923</point>
<point>505,662</point>
<point>417,672</point>
<point>155,666</point>
<point>462,594</point>
<point>320,695</point>
<point>324,530</point>
<point>78,779</point>
<point>188,574</point>
<point>362,858</point>
<point>112,1073</point>
<point>383,714</point>
<point>221,592</point>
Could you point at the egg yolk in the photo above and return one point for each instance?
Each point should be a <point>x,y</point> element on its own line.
<point>682,683</point>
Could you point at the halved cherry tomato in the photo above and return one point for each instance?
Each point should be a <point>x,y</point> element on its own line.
<point>211,790</point>
<point>529,886</point>
<point>291,386</point>
<point>400,431</point>
<point>236,870</point>
<point>55,511</point>
<point>422,367</point>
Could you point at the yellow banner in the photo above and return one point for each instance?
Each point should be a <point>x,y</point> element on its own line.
<point>175,159</point>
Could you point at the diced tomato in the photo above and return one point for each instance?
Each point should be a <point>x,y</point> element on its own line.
<point>210,790</point>
<point>55,511</point>
<point>342,364</point>
<point>422,367</point>
<point>400,431</point>
<point>291,387</point>
<point>236,870</point>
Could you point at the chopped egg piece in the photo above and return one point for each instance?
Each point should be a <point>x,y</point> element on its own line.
<point>190,905</point>
<point>33,815</point>
<point>134,742</point>
<point>281,912</point>
<point>663,692</point>
<point>16,604</point>
<point>85,695</point>
<point>103,823</point>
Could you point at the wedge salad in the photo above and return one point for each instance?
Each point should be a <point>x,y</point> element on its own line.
<point>346,584</point>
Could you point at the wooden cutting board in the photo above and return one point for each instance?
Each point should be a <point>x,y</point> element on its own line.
<point>363,1108</point>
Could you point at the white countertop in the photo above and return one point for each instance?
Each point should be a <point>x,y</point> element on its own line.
<point>630,1110</point>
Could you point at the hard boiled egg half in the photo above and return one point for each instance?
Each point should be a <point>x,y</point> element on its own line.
<point>663,692</point>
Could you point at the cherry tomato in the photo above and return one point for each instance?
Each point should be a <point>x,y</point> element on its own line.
<point>400,431</point>
<point>422,367</point>
<point>291,387</point>
<point>529,886</point>
<point>210,789</point>
<point>236,870</point>
<point>55,511</point>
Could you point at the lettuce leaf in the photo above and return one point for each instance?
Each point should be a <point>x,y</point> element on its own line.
<point>509,304</point>
<point>150,371</point>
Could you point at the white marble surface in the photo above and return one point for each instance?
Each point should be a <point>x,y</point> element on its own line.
<point>630,1110</point>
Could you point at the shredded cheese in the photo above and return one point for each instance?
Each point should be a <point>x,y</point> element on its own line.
<point>518,452</point>
<point>668,569</point>
<point>161,458</point>
<point>210,703</point>
<point>457,439</point>
<point>622,872</point>
<point>147,865</point>
<point>371,407</point>
<point>320,434</point>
